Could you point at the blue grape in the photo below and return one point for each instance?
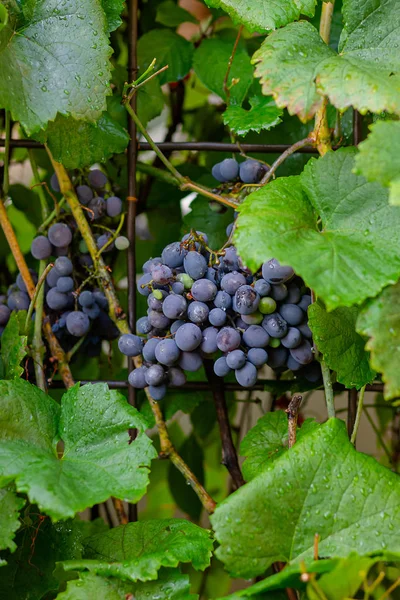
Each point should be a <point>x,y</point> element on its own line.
<point>176,376</point>
<point>232,281</point>
<point>274,272</point>
<point>151,263</point>
<point>256,337</point>
<point>4,314</point>
<point>240,324</point>
<point>198,312</point>
<point>143,325</point>
<point>188,337</point>
<point>294,294</point>
<point>246,300</point>
<point>292,314</point>
<point>229,169</point>
<point>236,359</point>
<point>65,284</point>
<point>97,207</point>
<point>137,379</point>
<point>56,300</point>
<point>221,367</point>
<point>155,303</point>
<point>130,344</point>
<point>305,302</point>
<point>292,364</point>
<point>251,171</point>
<point>154,375</point>
<point>217,317</point>
<point>63,266</point>
<point>230,260</point>
<point>149,349</point>
<point>60,235</point>
<point>209,341</point>
<point>247,375</point>
<point>211,275</point>
<point>92,311</point>
<point>173,255</point>
<point>84,194</point>
<point>143,281</point>
<point>167,352</point>
<point>161,274</point>
<point>312,371</point>
<point>228,339</point>
<point>223,300</point>
<point>102,240</point>
<point>190,361</point>
<point>262,287</point>
<point>158,319</point>
<point>275,326</point>
<point>229,229</point>
<point>279,292</point>
<point>174,306</point>
<point>86,298</point>
<point>195,265</point>
<point>303,353</point>
<point>157,392</point>
<point>178,287</point>
<point>41,248</point>
<point>100,298</point>
<point>97,179</point>
<point>257,356</point>
<point>20,282</point>
<point>292,339</point>
<point>55,186</point>
<point>216,173</point>
<point>277,357</point>
<point>176,325</point>
<point>305,330</point>
<point>113,206</point>
<point>204,290</point>
<point>77,323</point>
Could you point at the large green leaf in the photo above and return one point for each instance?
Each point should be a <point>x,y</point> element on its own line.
<point>345,258</point>
<point>264,15</point>
<point>171,14</point>
<point>263,114</point>
<point>379,320</point>
<point>112,10</point>
<point>267,440</point>
<point>98,462</point>
<point>185,497</point>
<point>321,485</point>
<point>54,58</point>
<point>78,144</point>
<point>210,64</point>
<point>10,505</point>
<point>13,349</point>
<point>343,348</point>
<point>138,550</point>
<point>168,48</point>
<point>379,157</point>
<point>171,585</point>
<point>150,101</point>
<point>297,67</point>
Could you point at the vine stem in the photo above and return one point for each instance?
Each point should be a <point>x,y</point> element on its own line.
<point>37,341</point>
<point>358,414</point>
<point>182,182</point>
<point>42,276</point>
<point>117,315</point>
<point>321,130</point>
<point>329,399</point>
<point>6,177</point>
<point>230,61</point>
<point>308,141</point>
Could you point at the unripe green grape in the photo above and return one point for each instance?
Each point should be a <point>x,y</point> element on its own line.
<point>186,280</point>
<point>254,319</point>
<point>274,343</point>
<point>267,305</point>
<point>83,249</point>
<point>157,294</point>
<point>121,243</point>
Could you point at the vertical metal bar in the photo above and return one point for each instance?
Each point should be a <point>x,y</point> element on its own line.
<point>132,191</point>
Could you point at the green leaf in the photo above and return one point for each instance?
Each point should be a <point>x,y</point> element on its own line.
<point>171,585</point>
<point>3,16</point>
<point>78,144</point>
<point>267,440</point>
<point>150,101</point>
<point>112,10</point>
<point>321,485</point>
<point>138,550</point>
<point>264,15</point>
<point>187,500</point>
<point>98,462</point>
<point>172,15</point>
<point>10,505</point>
<point>343,348</point>
<point>54,62</point>
<point>13,349</point>
<point>346,258</point>
<point>379,157</point>
<point>210,64</point>
<point>168,48</point>
<point>379,320</point>
<point>201,218</point>
<point>27,201</point>
<point>298,68</point>
<point>345,579</point>
<point>263,114</point>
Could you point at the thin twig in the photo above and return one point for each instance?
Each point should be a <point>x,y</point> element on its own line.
<point>139,85</point>
<point>230,61</point>
<point>52,215</point>
<point>308,141</point>
<point>229,455</point>
<point>329,398</point>
<point>37,341</point>
<point>6,161</point>
<point>358,415</point>
<point>293,414</point>
<point>41,280</point>
<point>117,315</point>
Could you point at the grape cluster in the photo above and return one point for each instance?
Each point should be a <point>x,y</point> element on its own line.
<point>249,171</point>
<point>202,305</point>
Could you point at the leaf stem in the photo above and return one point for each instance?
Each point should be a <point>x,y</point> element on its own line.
<point>42,279</point>
<point>37,341</point>
<point>308,141</point>
<point>358,414</point>
<point>52,215</point>
<point>40,191</point>
<point>329,399</point>
<point>230,61</point>
<point>117,315</point>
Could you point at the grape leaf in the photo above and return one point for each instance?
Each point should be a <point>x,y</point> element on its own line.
<point>201,218</point>
<point>263,114</point>
<point>321,485</point>
<point>210,64</point>
<point>98,462</point>
<point>344,580</point>
<point>168,48</point>
<point>112,10</point>
<point>346,258</point>
<point>172,15</point>
<point>297,68</point>
<point>379,157</point>
<point>78,144</point>
<point>187,500</point>
<point>138,550</point>
<point>53,61</point>
<point>264,15</point>
<point>171,585</point>
<point>13,349</point>
<point>267,440</point>
<point>379,320</point>
<point>343,348</point>
<point>150,101</point>
<point>10,505</point>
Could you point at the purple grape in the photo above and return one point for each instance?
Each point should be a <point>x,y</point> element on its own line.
<point>252,171</point>
<point>256,337</point>
<point>274,272</point>
<point>221,367</point>
<point>262,287</point>
<point>130,344</point>
<point>55,186</point>
<point>195,265</point>
<point>173,255</point>
<point>149,349</point>
<point>232,281</point>
<point>223,300</point>
<point>154,303</point>
<point>294,294</point>
<point>77,323</point>
<point>312,371</point>
<point>292,314</point>
<point>4,314</point>
<point>102,240</point>
<point>143,281</point>
<point>92,311</point>
<point>174,306</point>
<point>176,325</point>
<point>305,330</point>
<point>229,169</point>
<point>65,284</point>
<point>257,356</point>
<point>292,364</point>
<point>230,260</point>
<point>143,326</point>
<point>228,339</point>
<point>157,392</point>
<point>167,352</point>
<point>275,326</point>
<point>155,375</point>
<point>303,353</point>
<point>216,173</point>
<point>188,337</point>
<point>161,274</point>
<point>236,359</point>
<point>277,357</point>
<point>41,248</point>
<point>97,206</point>
<point>149,264</point>
<point>60,235</point>
<point>209,341</point>
<point>247,375</point>
<point>279,292</point>
<point>100,298</point>
<point>63,266</point>
<point>158,320</point>
<point>86,298</point>
<point>198,312</point>
<point>292,339</point>
<point>229,229</point>
<point>246,300</point>
<point>176,376</point>
<point>190,361</point>
<point>56,300</point>
<point>84,194</point>
<point>204,290</point>
<point>217,317</point>
<point>305,302</point>
<point>178,287</point>
<point>113,206</point>
<point>137,379</point>
<point>240,324</point>
<point>97,179</point>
